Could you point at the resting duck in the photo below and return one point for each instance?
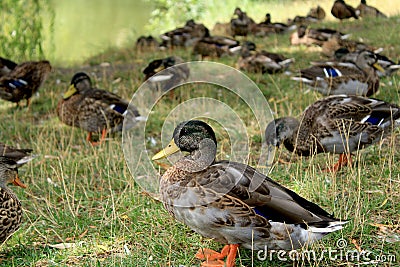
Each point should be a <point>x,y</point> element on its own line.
<point>338,124</point>
<point>353,79</point>
<point>146,43</point>
<point>10,207</point>
<point>216,46</point>
<point>276,27</point>
<point>344,55</point>
<point>94,110</point>
<point>317,13</point>
<point>6,66</point>
<point>241,23</point>
<point>308,36</point>
<point>369,11</point>
<point>341,10</point>
<point>262,61</point>
<point>220,200</point>
<point>170,77</point>
<point>335,42</point>
<point>24,80</point>
<point>184,36</point>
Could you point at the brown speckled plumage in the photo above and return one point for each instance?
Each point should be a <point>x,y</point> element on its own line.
<point>337,124</point>
<point>92,109</point>
<point>24,80</point>
<point>360,78</point>
<point>233,203</point>
<point>10,206</point>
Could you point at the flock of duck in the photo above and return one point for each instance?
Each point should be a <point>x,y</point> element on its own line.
<point>216,198</point>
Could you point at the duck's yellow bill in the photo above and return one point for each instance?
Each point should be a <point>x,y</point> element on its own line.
<point>71,91</point>
<point>378,67</point>
<point>170,149</point>
<point>159,69</point>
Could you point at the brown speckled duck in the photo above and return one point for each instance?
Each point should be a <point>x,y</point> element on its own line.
<point>338,124</point>
<point>216,46</point>
<point>369,11</point>
<point>233,203</point>
<point>262,61</point>
<point>360,78</point>
<point>24,80</point>
<point>341,10</point>
<point>93,110</point>
<point>10,207</point>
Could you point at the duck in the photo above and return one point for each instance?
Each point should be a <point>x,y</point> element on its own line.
<point>355,79</point>
<point>338,124</point>
<point>170,77</point>
<point>317,13</point>
<point>317,36</point>
<point>232,202</point>
<point>262,61</point>
<point>23,81</point>
<point>389,66</point>
<point>94,110</point>
<point>240,23</point>
<point>369,11</point>
<point>184,36</point>
<point>335,42</point>
<point>216,46</point>
<point>276,27</point>
<point>10,209</point>
<point>147,43</point>
<point>6,66</point>
<point>341,10</point>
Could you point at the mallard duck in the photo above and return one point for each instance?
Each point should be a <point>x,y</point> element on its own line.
<point>338,124</point>
<point>170,77</point>
<point>94,110</point>
<point>335,42</point>
<point>216,46</point>
<point>341,10</point>
<point>317,13</point>
<point>344,55</point>
<point>10,207</point>
<point>369,11</point>
<point>276,27</point>
<point>147,43</point>
<point>24,80</point>
<point>6,66</point>
<point>240,23</point>
<point>353,79</point>
<point>309,36</point>
<point>184,36</point>
<point>221,200</point>
<point>262,61</point>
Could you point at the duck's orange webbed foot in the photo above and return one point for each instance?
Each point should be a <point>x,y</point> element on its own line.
<point>344,160</point>
<point>102,138</point>
<point>214,259</point>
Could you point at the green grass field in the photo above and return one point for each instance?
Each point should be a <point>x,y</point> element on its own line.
<point>82,207</point>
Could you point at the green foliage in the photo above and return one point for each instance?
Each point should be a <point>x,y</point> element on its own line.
<point>168,13</point>
<point>21,35</point>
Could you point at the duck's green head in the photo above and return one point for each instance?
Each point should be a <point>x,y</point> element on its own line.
<point>188,136</point>
<point>79,82</point>
<point>9,172</point>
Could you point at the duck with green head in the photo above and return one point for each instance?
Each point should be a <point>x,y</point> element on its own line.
<point>220,200</point>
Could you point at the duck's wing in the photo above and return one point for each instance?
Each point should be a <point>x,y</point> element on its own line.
<point>266,197</point>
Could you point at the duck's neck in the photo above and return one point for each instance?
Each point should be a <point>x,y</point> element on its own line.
<point>199,159</point>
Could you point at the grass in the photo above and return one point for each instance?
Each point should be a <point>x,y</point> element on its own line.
<point>86,196</point>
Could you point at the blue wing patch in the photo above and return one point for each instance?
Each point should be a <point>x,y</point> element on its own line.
<point>119,109</point>
<point>332,72</point>
<point>17,83</point>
